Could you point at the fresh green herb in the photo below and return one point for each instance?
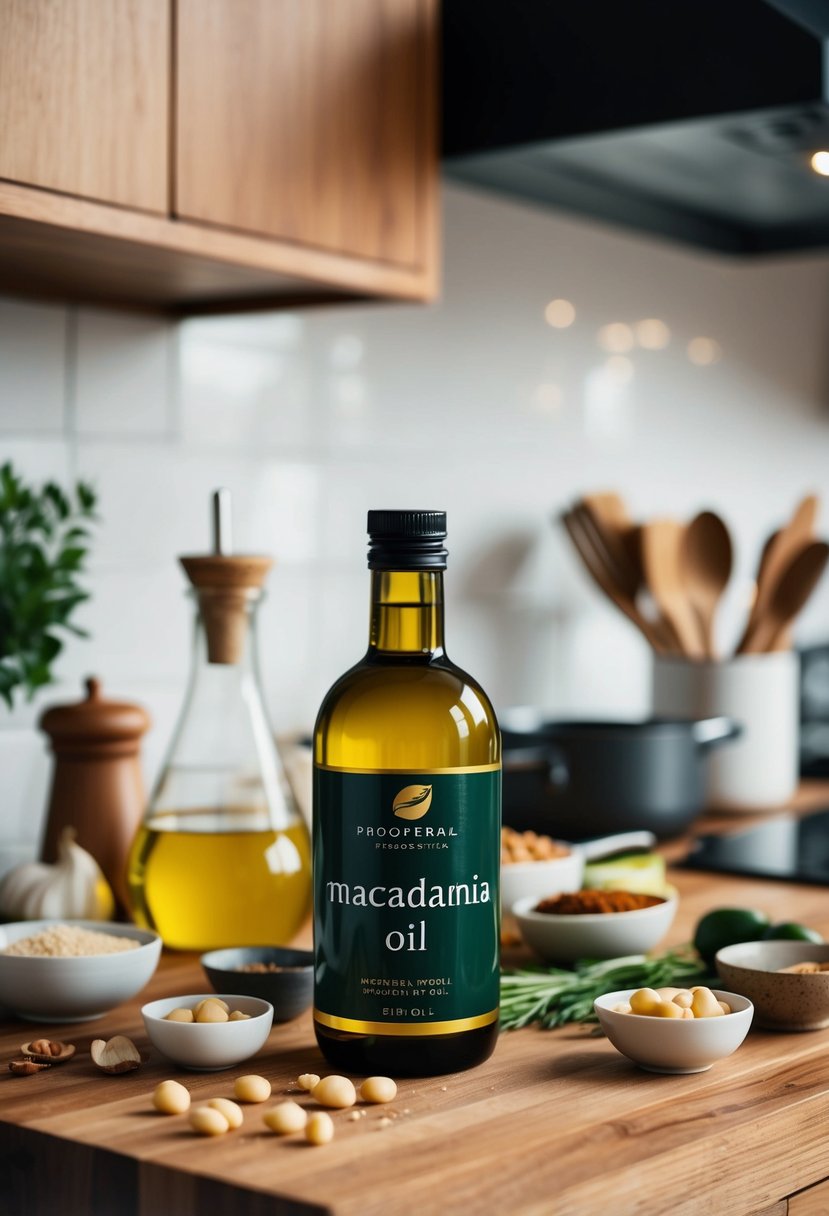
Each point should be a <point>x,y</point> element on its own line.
<point>553,996</point>
<point>44,534</point>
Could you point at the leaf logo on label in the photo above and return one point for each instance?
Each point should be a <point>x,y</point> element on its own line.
<point>413,802</point>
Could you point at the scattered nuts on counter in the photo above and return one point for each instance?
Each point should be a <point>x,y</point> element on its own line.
<point>44,1047</point>
<point>26,1068</point>
<point>319,1129</point>
<point>230,1110</point>
<point>251,1088</point>
<point>307,1081</point>
<point>684,1003</point>
<point>171,1098</point>
<point>384,1122</point>
<point>285,1118</point>
<point>207,1121</point>
<point>334,1091</point>
<point>46,1051</point>
<point>378,1089</point>
<point>115,1055</point>
<point>353,1116</point>
<point>527,846</point>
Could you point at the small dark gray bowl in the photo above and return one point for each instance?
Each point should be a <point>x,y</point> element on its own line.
<point>290,991</point>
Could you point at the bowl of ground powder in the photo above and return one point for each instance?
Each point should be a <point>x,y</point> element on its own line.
<point>74,970</point>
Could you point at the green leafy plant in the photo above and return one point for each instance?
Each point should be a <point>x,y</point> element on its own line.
<point>44,535</point>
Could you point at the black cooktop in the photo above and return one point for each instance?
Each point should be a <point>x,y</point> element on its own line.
<point>785,847</point>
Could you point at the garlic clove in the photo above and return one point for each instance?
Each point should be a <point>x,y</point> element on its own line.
<point>74,887</point>
<point>115,1055</point>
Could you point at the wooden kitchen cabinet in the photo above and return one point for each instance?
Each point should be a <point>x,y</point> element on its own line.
<point>303,120</point>
<point>204,155</point>
<point>84,98</point>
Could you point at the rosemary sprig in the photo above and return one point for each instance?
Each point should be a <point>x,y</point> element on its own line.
<point>554,996</point>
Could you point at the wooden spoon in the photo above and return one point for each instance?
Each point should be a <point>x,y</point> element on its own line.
<point>777,554</point>
<point>794,586</point>
<point>604,579</point>
<point>662,541</point>
<point>706,556</point>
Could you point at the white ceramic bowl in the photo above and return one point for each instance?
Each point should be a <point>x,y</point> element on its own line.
<point>674,1045</point>
<point>208,1046</point>
<point>563,939</point>
<point>523,879</point>
<point>520,879</point>
<point>74,989</point>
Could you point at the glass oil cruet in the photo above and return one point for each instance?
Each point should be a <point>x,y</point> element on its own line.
<point>222,857</point>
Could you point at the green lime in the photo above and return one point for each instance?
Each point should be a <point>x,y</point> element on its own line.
<point>642,872</point>
<point>726,927</point>
<point>791,931</point>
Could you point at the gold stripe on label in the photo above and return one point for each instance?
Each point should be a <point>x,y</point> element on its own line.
<point>406,1028</point>
<point>415,772</point>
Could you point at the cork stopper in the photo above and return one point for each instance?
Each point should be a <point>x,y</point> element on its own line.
<point>225,584</point>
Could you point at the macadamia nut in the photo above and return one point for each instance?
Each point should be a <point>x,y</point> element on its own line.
<point>285,1118</point>
<point>378,1089</point>
<point>208,1122</point>
<point>251,1088</point>
<point>171,1098</point>
<point>319,1129</point>
<point>230,1110</point>
<point>334,1091</point>
<point>307,1081</point>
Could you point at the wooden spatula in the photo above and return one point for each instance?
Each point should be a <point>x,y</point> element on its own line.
<point>793,588</point>
<point>662,541</point>
<point>777,554</point>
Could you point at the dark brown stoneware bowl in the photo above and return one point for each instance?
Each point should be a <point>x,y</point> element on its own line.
<point>783,1000</point>
<point>290,990</point>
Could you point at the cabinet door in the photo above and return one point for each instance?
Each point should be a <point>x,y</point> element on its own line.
<point>309,121</point>
<point>84,98</point>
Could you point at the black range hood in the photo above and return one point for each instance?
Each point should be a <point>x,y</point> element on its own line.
<point>693,119</point>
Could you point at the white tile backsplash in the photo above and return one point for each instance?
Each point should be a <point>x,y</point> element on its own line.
<point>32,367</point>
<point>122,373</point>
<point>474,404</point>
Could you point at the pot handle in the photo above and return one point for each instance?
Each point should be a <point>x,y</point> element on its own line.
<point>603,846</point>
<point>711,732</point>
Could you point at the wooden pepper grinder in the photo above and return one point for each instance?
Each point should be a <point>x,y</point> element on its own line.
<point>97,787</point>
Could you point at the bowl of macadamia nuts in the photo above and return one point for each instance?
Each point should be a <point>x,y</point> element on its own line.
<point>674,1030</point>
<point>208,1031</point>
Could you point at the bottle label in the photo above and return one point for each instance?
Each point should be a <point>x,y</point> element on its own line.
<point>406,900</point>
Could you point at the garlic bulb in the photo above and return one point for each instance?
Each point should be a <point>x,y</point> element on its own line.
<point>73,887</point>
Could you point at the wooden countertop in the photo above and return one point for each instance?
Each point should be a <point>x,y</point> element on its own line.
<point>555,1121</point>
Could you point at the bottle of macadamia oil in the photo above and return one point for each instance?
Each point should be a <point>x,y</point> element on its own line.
<point>407,810</point>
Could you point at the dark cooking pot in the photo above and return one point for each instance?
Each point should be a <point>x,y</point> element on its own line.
<point>575,780</point>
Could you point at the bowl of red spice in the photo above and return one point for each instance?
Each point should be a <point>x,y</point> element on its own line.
<point>594,924</point>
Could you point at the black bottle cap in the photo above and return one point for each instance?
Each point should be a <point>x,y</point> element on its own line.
<point>407,540</point>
